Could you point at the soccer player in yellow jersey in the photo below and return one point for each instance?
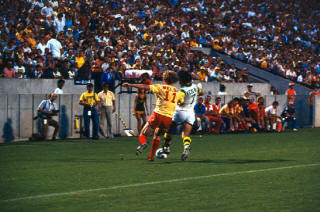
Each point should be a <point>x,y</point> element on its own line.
<point>167,97</point>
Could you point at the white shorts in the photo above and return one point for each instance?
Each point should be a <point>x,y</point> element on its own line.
<point>182,116</point>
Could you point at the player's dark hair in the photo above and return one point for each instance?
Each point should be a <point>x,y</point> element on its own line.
<point>185,77</point>
<point>170,77</point>
<point>275,103</point>
<point>236,99</point>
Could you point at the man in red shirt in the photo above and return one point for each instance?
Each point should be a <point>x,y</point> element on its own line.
<point>212,115</point>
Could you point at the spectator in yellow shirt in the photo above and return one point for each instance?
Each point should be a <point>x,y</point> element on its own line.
<point>89,100</point>
<point>108,106</point>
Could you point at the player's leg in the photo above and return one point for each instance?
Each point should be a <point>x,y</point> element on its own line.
<point>168,136</point>
<point>155,143</point>
<point>179,116</point>
<point>189,121</point>
<point>145,132</point>
<point>163,124</point>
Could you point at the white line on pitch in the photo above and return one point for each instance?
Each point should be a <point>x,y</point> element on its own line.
<point>157,182</point>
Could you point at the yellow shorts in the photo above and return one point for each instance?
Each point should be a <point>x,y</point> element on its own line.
<point>140,112</point>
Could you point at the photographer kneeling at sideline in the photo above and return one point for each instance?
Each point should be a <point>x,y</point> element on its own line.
<point>46,110</point>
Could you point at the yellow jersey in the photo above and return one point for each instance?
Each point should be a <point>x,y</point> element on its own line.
<point>225,110</point>
<point>167,97</point>
<point>89,98</point>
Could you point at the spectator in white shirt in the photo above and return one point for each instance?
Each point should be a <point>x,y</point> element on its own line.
<point>55,46</point>
<point>59,23</point>
<point>60,84</point>
<point>47,10</point>
<point>42,46</point>
<point>19,69</point>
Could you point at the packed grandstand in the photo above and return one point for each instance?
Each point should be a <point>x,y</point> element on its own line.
<point>70,39</point>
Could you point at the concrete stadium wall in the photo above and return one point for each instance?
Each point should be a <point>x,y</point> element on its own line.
<point>235,88</point>
<point>316,111</point>
<point>45,86</point>
<point>37,86</point>
<point>16,112</point>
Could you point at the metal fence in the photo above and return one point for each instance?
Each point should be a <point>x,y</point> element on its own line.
<point>17,112</point>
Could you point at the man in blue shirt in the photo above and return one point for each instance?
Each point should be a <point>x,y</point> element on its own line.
<point>201,120</point>
<point>46,110</point>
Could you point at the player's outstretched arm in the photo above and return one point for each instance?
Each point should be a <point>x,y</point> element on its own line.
<point>141,86</point>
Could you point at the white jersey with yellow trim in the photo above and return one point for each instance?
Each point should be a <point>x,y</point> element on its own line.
<point>190,99</point>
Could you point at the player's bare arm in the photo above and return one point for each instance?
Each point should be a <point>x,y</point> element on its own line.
<point>141,86</point>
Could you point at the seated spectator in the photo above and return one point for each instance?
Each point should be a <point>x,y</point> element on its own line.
<point>212,115</point>
<point>201,119</point>
<point>272,116</point>
<point>239,123</point>
<point>226,115</point>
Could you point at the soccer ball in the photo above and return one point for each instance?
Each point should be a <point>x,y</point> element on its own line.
<point>160,154</point>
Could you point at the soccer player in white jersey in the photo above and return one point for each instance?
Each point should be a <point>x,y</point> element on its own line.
<point>184,114</point>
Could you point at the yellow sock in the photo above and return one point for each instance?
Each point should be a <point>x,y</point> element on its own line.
<point>186,142</point>
<point>167,139</point>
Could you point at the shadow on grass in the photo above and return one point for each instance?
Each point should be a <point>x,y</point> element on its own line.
<point>228,161</point>
<point>239,161</point>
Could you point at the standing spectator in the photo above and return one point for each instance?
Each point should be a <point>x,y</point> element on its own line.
<point>222,91</point>
<point>46,110</point>
<point>108,106</point>
<point>109,78</point>
<point>9,71</point>
<point>55,46</point>
<point>250,92</point>
<point>59,23</point>
<point>140,108</point>
<point>291,93</point>
<point>312,94</point>
<point>89,100</point>
<point>60,85</point>
<point>289,115</point>
<point>20,69</point>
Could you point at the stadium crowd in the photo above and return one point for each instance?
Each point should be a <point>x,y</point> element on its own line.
<point>84,39</point>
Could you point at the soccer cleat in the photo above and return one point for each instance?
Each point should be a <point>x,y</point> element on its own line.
<point>185,153</point>
<point>141,148</point>
<point>166,150</point>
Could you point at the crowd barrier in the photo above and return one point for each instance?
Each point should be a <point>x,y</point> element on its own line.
<point>17,112</point>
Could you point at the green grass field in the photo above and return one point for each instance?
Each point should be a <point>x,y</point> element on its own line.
<point>253,172</point>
